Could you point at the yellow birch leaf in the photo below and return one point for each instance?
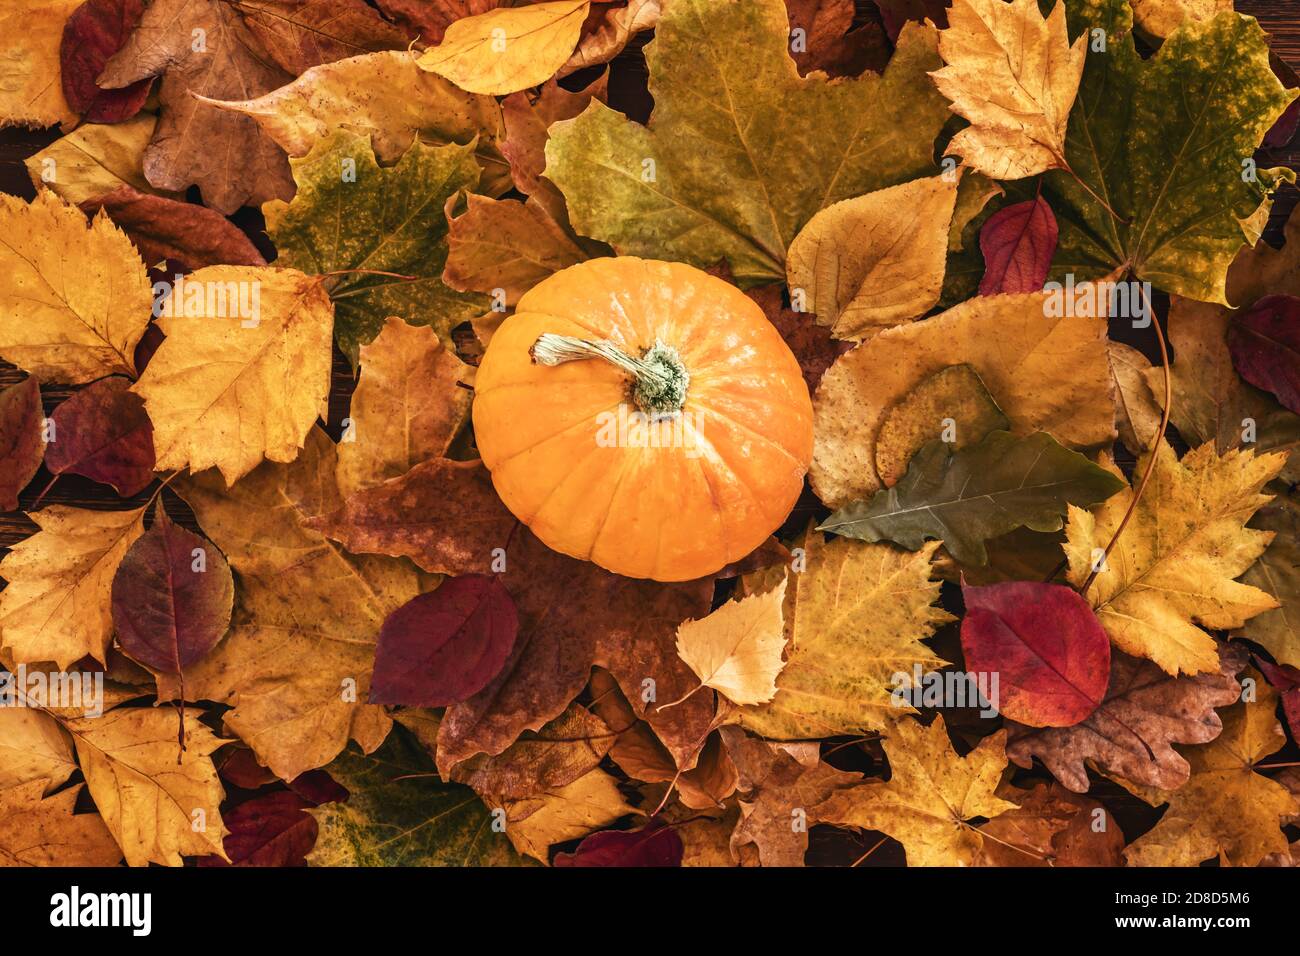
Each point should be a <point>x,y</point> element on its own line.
<point>877,260</point>
<point>228,388</point>
<point>74,296</point>
<point>854,617</point>
<point>1174,566</point>
<point>931,796</point>
<point>1034,364</point>
<point>508,49</point>
<point>737,649</point>
<point>57,606</point>
<point>153,795</point>
<point>46,832</point>
<point>1014,75</point>
<point>1227,809</point>
<point>31,32</point>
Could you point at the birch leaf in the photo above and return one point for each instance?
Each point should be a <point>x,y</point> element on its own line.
<point>737,649</point>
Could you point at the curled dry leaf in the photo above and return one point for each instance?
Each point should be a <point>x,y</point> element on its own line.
<point>1130,734</point>
<point>509,49</point>
<point>22,439</point>
<point>1045,645</point>
<point>103,433</point>
<point>607,30</point>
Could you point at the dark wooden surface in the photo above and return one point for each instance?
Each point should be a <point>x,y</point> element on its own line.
<point>1281,18</point>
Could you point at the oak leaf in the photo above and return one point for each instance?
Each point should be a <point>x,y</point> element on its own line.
<point>931,797</point>
<point>228,389</point>
<point>737,650</point>
<point>877,260</point>
<point>1050,827</point>
<point>696,187</point>
<point>76,297</point>
<point>57,604</point>
<point>22,439</point>
<point>46,832</point>
<point>1174,566</point>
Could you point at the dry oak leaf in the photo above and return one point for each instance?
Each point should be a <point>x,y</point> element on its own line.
<point>508,49</point>
<point>854,617</point>
<point>386,97</point>
<point>300,34</point>
<point>57,604</point>
<point>244,371</point>
<point>877,260</point>
<point>1159,18</point>
<point>203,48</point>
<point>301,601</point>
<point>695,187</point>
<point>75,298</point>
<point>1050,827</point>
<point>22,439</point>
<point>46,832</point>
<point>1034,365</point>
<point>737,650</point>
<point>407,407</point>
<point>931,796</point>
<point>1175,564</point>
<point>778,789</point>
<point>1014,75</point>
<point>33,746</point>
<point>1277,572</point>
<point>536,823</point>
<point>148,790</point>
<point>1227,809</point>
<point>1130,734</point>
<point>32,32</point>
<point>94,159</point>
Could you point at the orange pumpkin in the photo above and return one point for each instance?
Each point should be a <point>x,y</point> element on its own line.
<point>645,416</point>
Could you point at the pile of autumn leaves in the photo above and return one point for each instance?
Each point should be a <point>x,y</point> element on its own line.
<point>684,722</point>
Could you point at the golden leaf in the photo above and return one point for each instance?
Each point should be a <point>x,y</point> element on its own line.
<point>1137,410</point>
<point>228,389</point>
<point>508,49</point>
<point>157,809</point>
<point>1159,18</point>
<point>736,650</point>
<point>853,619</point>
<point>33,747</point>
<point>1174,565</point>
<point>930,797</point>
<point>867,263</point>
<point>45,832</point>
<point>75,298</point>
<point>589,803</point>
<point>57,606</point>
<point>32,32</point>
<point>1034,365</point>
<point>1014,76</point>
<point>96,158</point>
<point>1226,809</point>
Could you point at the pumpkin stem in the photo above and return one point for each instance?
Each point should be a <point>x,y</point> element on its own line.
<point>659,377</point>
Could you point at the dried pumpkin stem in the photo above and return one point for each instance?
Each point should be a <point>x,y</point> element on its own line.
<point>659,378</point>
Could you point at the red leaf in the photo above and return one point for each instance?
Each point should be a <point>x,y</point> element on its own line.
<point>103,433</point>
<point>1286,680</point>
<point>187,235</point>
<point>1284,129</point>
<point>272,830</point>
<point>171,604</point>
<point>1047,647</point>
<point>1018,243</point>
<point>897,12</point>
<point>656,845</point>
<point>96,30</point>
<point>1265,346</point>
<point>21,439</point>
<point>445,646</point>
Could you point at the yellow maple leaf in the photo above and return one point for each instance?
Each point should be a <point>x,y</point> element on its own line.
<point>508,49</point>
<point>854,618</point>
<point>46,832</point>
<point>1014,75</point>
<point>244,371</point>
<point>1226,809</point>
<point>32,32</point>
<point>57,606</point>
<point>736,650</point>
<point>1174,565</point>
<point>931,796</point>
<point>157,809</point>
<point>75,297</point>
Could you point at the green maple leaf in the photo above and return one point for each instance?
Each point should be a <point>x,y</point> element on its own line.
<point>1163,142</point>
<point>382,219</point>
<point>742,151</point>
<point>400,814</point>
